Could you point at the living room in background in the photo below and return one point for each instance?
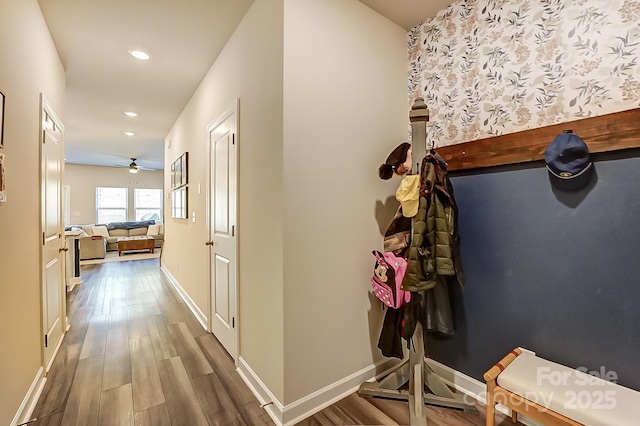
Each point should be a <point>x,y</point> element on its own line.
<point>147,204</point>
<point>111,204</point>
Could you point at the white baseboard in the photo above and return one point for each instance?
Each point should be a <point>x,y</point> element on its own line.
<point>197,312</point>
<point>309,405</point>
<point>290,414</point>
<point>266,398</point>
<point>58,345</point>
<point>73,282</point>
<point>30,400</point>
<point>472,387</point>
<point>459,381</point>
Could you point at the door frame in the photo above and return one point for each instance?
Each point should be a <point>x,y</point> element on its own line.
<point>46,110</point>
<point>232,110</point>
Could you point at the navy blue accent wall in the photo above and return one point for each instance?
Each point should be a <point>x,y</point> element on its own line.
<point>554,272</point>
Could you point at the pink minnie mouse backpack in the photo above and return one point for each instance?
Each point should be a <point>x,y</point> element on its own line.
<point>387,279</point>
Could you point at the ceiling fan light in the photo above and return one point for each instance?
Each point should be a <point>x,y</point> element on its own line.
<point>133,167</point>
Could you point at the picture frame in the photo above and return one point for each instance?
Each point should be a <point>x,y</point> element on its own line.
<point>1,120</point>
<point>179,203</point>
<point>173,175</point>
<point>184,160</point>
<point>3,193</point>
<point>179,171</point>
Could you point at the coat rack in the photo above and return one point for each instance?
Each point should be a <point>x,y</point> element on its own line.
<point>425,387</point>
<point>605,133</point>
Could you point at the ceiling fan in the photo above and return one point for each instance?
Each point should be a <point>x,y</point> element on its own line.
<point>133,167</point>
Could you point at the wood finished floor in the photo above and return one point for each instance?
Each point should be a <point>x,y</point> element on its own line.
<point>135,355</point>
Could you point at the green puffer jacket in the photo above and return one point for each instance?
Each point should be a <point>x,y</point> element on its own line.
<point>434,247</point>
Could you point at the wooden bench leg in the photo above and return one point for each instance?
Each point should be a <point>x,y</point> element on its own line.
<point>491,408</point>
<point>490,377</point>
<point>514,416</point>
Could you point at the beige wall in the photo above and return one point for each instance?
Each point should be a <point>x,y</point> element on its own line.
<point>250,69</point>
<point>311,207</point>
<point>29,65</point>
<point>83,181</point>
<point>345,77</point>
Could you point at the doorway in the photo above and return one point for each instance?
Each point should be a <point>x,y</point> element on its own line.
<point>53,248</point>
<point>222,230</point>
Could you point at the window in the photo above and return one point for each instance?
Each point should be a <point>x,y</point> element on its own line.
<point>111,205</point>
<point>147,204</point>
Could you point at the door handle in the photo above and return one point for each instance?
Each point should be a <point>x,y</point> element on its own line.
<point>209,243</point>
<point>63,249</point>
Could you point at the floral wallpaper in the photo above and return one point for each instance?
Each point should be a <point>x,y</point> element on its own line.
<point>491,67</point>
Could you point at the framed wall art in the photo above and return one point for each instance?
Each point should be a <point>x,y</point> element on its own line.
<point>173,175</point>
<point>177,168</point>
<point>3,194</point>
<point>184,160</point>
<point>179,203</point>
<point>179,171</point>
<point>1,120</point>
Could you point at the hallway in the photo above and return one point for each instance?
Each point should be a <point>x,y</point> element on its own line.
<point>136,355</point>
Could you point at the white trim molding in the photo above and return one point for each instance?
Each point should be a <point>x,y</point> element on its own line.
<point>266,398</point>
<point>472,387</point>
<point>30,400</point>
<point>197,312</point>
<point>290,414</point>
<point>59,344</point>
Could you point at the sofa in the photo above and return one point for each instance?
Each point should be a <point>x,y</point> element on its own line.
<point>102,238</point>
<point>94,247</point>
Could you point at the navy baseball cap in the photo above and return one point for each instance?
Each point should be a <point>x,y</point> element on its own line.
<point>568,159</point>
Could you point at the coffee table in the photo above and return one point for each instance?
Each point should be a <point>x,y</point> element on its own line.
<point>139,242</point>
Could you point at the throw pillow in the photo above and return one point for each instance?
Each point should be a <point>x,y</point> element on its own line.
<point>153,230</point>
<point>86,228</point>
<point>100,230</point>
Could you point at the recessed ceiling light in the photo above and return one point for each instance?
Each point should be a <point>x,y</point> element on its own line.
<point>129,133</point>
<point>130,114</point>
<point>139,54</point>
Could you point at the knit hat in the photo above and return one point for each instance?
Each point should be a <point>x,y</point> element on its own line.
<point>396,158</point>
<point>568,161</point>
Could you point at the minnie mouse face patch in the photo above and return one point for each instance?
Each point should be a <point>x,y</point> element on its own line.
<point>384,273</point>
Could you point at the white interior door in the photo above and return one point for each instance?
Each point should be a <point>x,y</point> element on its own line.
<point>222,229</point>
<point>53,241</point>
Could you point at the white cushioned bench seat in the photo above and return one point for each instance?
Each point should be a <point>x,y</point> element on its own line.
<point>580,396</point>
<point>558,395</point>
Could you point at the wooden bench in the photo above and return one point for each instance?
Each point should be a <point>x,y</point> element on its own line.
<point>138,242</point>
<point>554,394</point>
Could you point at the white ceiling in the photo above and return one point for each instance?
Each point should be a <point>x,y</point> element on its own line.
<point>183,37</point>
<point>408,13</point>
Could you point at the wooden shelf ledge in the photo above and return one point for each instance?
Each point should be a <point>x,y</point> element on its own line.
<point>610,132</point>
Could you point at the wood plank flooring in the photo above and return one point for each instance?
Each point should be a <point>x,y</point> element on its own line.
<point>135,355</point>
